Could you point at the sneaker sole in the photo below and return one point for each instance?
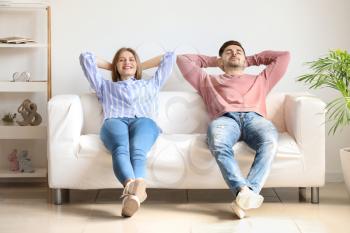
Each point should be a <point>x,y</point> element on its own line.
<point>130,205</point>
<point>248,202</point>
<point>237,210</point>
<point>142,195</point>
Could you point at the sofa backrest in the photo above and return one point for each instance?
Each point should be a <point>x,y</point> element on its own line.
<point>179,112</point>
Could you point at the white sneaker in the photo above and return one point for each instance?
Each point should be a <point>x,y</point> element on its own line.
<point>140,189</point>
<point>247,199</point>
<point>239,212</point>
<point>130,205</point>
<point>131,202</point>
<point>137,188</point>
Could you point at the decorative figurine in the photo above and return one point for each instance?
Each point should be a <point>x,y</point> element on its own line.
<point>12,157</point>
<point>21,77</point>
<point>25,163</point>
<point>28,111</point>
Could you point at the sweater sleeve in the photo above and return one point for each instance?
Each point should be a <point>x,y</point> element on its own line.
<point>164,69</point>
<point>191,66</point>
<point>276,62</point>
<point>92,74</point>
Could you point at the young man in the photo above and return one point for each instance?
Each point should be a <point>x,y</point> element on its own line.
<point>236,103</point>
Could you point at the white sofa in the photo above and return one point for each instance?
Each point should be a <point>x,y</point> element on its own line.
<point>180,158</point>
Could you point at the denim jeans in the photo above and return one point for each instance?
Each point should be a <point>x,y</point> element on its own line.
<point>257,132</point>
<point>129,140</point>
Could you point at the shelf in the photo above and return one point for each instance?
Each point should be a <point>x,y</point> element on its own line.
<point>8,5</point>
<point>40,86</point>
<point>27,45</point>
<point>39,172</point>
<point>22,132</point>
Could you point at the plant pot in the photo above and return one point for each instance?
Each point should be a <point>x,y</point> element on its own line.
<point>8,122</point>
<point>345,163</point>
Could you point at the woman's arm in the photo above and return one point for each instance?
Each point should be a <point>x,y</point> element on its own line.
<point>153,62</point>
<point>103,64</point>
<point>89,65</point>
<point>165,65</point>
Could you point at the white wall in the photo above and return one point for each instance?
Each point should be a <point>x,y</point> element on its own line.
<point>308,29</point>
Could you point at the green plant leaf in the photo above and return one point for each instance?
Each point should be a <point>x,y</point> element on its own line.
<point>332,71</point>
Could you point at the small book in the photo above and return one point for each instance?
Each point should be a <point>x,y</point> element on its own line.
<point>15,40</point>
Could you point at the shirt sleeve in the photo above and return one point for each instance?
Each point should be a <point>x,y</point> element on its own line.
<point>164,69</point>
<point>276,62</point>
<point>191,66</point>
<point>92,74</point>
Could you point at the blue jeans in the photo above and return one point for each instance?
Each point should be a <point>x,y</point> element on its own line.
<point>129,140</point>
<point>259,134</point>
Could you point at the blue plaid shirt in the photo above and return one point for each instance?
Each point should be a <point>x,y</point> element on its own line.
<point>131,97</point>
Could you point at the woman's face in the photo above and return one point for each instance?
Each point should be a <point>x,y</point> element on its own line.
<point>126,65</point>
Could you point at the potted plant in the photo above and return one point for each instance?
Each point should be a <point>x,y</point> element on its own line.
<point>333,71</point>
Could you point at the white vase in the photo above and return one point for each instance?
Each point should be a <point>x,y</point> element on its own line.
<point>345,163</point>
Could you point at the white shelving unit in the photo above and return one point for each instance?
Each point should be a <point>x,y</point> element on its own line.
<point>38,173</point>
<point>43,85</point>
<point>22,132</point>
<point>24,87</point>
<point>28,45</point>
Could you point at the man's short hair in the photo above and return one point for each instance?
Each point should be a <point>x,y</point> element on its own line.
<point>228,43</point>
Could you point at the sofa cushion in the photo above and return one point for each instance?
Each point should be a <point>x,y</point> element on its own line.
<point>275,110</point>
<point>90,145</point>
<point>182,113</point>
<point>177,160</point>
<point>179,113</point>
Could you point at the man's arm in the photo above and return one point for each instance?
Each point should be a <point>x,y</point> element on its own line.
<point>276,62</point>
<point>191,66</point>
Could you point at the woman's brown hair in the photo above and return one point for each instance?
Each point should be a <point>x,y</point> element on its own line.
<point>115,74</point>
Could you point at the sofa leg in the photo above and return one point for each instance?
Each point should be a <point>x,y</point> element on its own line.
<point>315,195</point>
<point>61,196</point>
<point>302,194</point>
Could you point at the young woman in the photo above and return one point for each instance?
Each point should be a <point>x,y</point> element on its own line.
<point>129,106</point>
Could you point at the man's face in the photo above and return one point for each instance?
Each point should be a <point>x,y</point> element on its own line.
<point>233,57</point>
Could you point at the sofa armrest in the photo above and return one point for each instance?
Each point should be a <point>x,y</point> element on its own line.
<point>305,121</point>
<point>65,122</point>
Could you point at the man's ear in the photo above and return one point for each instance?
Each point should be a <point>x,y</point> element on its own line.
<point>220,63</point>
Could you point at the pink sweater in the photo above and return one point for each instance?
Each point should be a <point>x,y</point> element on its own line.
<point>226,93</point>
